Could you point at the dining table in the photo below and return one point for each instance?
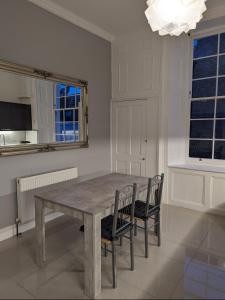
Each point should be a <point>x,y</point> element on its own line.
<point>90,201</point>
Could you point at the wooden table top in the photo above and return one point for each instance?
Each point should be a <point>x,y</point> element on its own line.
<point>91,196</point>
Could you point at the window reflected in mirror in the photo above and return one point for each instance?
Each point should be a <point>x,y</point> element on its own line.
<point>37,111</point>
<point>68,112</point>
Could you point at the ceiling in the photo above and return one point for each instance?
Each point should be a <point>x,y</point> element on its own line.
<point>114,16</point>
<point>111,18</point>
<point>213,3</point>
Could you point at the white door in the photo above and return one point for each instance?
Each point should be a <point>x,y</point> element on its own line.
<point>129,137</point>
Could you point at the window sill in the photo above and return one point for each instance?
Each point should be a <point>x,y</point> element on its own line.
<point>212,169</point>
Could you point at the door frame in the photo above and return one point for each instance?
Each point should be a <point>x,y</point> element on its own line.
<point>151,133</point>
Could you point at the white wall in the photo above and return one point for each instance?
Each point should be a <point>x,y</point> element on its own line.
<point>136,65</point>
<point>175,96</point>
<point>147,66</point>
<point>79,54</point>
<point>192,186</point>
<point>159,69</point>
<point>136,73</point>
<point>174,104</point>
<point>197,189</point>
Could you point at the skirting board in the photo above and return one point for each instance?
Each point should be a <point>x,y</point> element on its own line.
<point>10,231</point>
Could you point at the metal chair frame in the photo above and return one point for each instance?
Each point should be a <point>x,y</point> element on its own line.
<point>125,196</point>
<point>154,195</point>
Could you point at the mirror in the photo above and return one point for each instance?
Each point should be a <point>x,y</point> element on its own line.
<point>40,111</point>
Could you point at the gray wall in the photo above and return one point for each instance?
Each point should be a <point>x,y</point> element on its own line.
<point>34,37</point>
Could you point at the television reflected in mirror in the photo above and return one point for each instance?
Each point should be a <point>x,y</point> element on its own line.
<point>41,109</point>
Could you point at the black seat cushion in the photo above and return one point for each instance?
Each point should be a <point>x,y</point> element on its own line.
<point>107,225</point>
<point>139,211</point>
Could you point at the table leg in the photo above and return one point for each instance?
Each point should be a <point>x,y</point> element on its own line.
<point>40,232</point>
<point>92,245</point>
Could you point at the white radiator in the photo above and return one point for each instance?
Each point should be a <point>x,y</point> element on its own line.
<point>27,187</point>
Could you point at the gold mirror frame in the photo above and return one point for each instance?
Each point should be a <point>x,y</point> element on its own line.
<point>42,74</point>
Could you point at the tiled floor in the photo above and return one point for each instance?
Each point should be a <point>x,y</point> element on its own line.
<point>190,264</point>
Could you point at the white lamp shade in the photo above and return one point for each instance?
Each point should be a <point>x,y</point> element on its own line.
<point>174,16</point>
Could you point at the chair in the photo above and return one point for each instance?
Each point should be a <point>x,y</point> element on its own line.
<point>116,226</point>
<point>150,209</point>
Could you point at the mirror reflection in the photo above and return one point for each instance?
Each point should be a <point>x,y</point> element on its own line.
<point>38,111</point>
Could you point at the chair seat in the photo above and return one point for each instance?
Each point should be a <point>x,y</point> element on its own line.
<point>107,225</point>
<point>139,211</point>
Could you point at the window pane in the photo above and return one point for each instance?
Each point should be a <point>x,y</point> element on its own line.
<point>60,103</point>
<point>59,138</point>
<point>221,86</point>
<point>70,91</point>
<point>59,116</point>
<point>206,46</point>
<point>200,149</point>
<point>203,125</point>
<point>59,128</point>
<point>203,109</point>
<point>70,102</point>
<point>60,90</point>
<point>219,152</point>
<point>67,108</point>
<point>222,65</point>
<point>69,117</point>
<point>220,129</point>
<point>57,103</point>
<point>78,100</point>
<point>222,43</point>
<point>220,108</point>
<point>77,127</point>
<point>76,115</point>
<point>69,126</point>
<point>77,131</point>
<point>204,88</point>
<point>206,67</point>
<point>70,138</point>
<point>201,129</point>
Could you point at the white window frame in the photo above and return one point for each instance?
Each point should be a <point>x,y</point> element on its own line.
<point>191,160</point>
<point>78,108</point>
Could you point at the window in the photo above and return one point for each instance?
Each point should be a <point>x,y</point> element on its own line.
<point>207,117</point>
<point>69,113</point>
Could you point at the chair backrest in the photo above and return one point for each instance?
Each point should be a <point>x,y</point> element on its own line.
<point>154,192</point>
<point>123,217</point>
